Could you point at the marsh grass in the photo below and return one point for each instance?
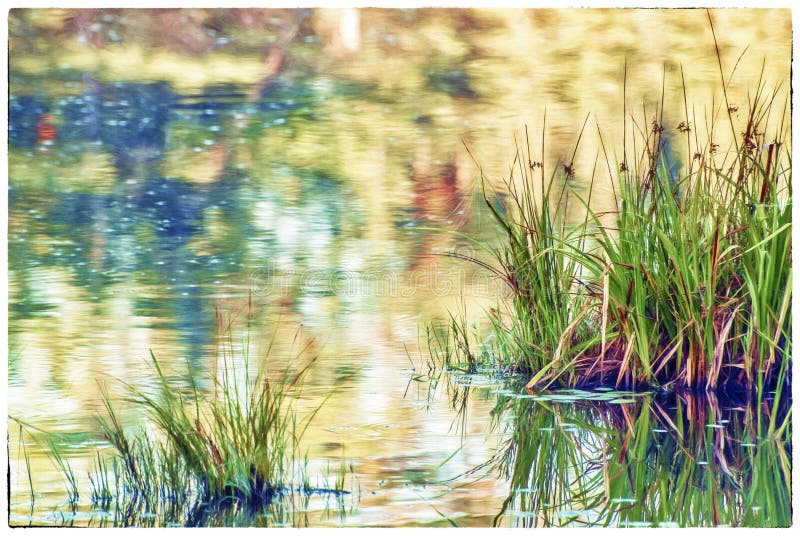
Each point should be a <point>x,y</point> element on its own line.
<point>689,286</point>
<point>238,443</point>
<point>697,273</point>
<point>24,449</point>
<point>225,446</point>
<point>455,345</point>
<point>101,482</point>
<point>70,479</point>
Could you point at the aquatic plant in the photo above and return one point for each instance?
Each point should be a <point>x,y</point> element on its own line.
<point>697,274</point>
<point>689,286</point>
<point>239,443</point>
<point>223,447</point>
<point>546,322</point>
<point>23,448</point>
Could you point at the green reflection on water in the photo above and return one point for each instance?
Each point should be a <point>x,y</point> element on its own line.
<point>677,460</point>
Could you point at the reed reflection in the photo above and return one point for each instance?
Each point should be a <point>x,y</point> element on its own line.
<point>664,459</point>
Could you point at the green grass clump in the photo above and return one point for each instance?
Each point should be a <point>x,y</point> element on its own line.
<point>542,263</point>
<point>536,262</point>
<point>689,286</point>
<point>226,447</point>
<point>697,274</point>
<point>238,443</point>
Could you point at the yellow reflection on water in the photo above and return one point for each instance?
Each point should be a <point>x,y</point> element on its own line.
<point>402,152</point>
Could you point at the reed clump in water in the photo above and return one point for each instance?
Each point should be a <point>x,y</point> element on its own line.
<point>689,287</point>
<point>237,443</point>
<point>226,445</point>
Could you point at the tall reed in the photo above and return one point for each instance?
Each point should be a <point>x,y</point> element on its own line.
<point>698,270</point>
<point>689,287</point>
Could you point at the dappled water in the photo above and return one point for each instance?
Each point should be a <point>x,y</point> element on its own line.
<point>154,185</point>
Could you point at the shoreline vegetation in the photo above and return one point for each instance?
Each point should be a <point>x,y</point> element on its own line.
<point>688,287</point>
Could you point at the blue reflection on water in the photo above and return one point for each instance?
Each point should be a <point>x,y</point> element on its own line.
<point>142,228</point>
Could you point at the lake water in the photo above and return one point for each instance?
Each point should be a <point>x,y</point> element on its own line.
<point>293,167</point>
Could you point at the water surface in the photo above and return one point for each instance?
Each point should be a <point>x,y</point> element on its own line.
<point>155,180</point>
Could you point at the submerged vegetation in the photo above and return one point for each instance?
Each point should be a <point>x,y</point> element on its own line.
<point>686,284</point>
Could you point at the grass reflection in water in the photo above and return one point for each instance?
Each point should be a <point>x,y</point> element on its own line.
<point>656,460</point>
